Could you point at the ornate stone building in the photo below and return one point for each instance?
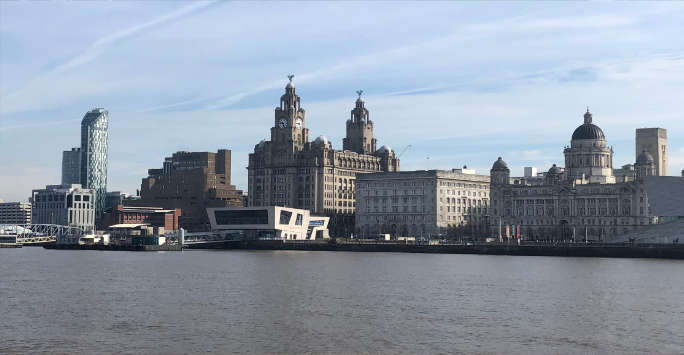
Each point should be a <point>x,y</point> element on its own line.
<point>289,170</point>
<point>422,204</point>
<point>582,200</point>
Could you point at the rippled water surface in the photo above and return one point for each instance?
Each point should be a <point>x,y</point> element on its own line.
<point>88,302</point>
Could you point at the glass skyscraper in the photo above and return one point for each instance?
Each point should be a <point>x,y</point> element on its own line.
<point>94,145</point>
<point>71,166</point>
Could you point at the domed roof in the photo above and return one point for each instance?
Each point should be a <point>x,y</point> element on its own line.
<point>499,164</point>
<point>384,149</point>
<point>555,170</point>
<point>588,130</point>
<point>645,158</point>
<point>321,140</point>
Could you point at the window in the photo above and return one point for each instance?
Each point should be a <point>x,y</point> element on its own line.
<point>241,216</point>
<point>285,217</point>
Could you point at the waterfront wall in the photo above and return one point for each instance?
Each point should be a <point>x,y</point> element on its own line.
<point>673,251</point>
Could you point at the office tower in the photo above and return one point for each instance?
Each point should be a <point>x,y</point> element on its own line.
<point>71,166</point>
<point>67,205</point>
<point>15,213</point>
<point>654,142</point>
<point>94,155</point>
<point>190,181</point>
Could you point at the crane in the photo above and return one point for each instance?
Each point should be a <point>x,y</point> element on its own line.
<point>404,151</point>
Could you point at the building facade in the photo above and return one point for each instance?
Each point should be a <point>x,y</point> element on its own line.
<point>94,146</point>
<point>289,170</point>
<point>422,204</point>
<point>269,222</point>
<point>15,213</point>
<point>150,216</point>
<point>653,141</point>
<point>115,198</point>
<point>71,166</point>
<point>67,205</point>
<point>191,181</point>
<point>582,200</point>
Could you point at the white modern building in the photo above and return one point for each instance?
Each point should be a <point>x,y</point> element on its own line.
<point>15,213</point>
<point>269,222</point>
<point>68,205</point>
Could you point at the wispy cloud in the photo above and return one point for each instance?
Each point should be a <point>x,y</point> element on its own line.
<point>461,83</point>
<point>100,45</point>
<point>407,51</point>
<point>35,124</point>
<point>530,23</point>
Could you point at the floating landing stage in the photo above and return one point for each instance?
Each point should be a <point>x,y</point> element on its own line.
<point>114,247</point>
<point>666,251</point>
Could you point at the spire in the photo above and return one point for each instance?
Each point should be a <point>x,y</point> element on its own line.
<point>359,129</point>
<point>359,100</point>
<point>290,100</point>
<point>359,113</point>
<point>587,116</point>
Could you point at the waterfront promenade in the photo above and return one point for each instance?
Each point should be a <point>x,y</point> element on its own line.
<point>621,250</point>
<point>604,250</point>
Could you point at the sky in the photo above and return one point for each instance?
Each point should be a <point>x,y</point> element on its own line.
<point>461,83</point>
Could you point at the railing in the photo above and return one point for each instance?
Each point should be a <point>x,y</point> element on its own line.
<point>41,233</point>
<point>211,237</point>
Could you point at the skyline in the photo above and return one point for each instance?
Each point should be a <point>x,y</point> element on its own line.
<point>174,74</point>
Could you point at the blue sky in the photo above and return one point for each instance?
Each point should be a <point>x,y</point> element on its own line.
<point>462,82</point>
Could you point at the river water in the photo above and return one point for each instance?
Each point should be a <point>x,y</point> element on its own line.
<point>84,302</point>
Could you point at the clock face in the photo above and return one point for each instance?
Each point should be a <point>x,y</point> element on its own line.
<point>282,123</point>
<point>298,123</point>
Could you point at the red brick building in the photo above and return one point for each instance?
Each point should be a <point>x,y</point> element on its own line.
<point>153,216</point>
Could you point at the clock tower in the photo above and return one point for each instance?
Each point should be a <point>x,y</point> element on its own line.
<point>289,130</point>
<point>360,130</point>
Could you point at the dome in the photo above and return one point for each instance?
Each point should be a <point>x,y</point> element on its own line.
<point>321,140</point>
<point>645,158</point>
<point>499,164</point>
<point>555,170</point>
<point>588,131</point>
<point>384,149</point>
<point>289,85</point>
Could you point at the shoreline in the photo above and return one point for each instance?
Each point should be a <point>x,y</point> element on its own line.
<point>659,251</point>
<point>662,251</point>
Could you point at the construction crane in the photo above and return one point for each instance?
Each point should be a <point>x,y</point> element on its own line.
<point>404,151</point>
